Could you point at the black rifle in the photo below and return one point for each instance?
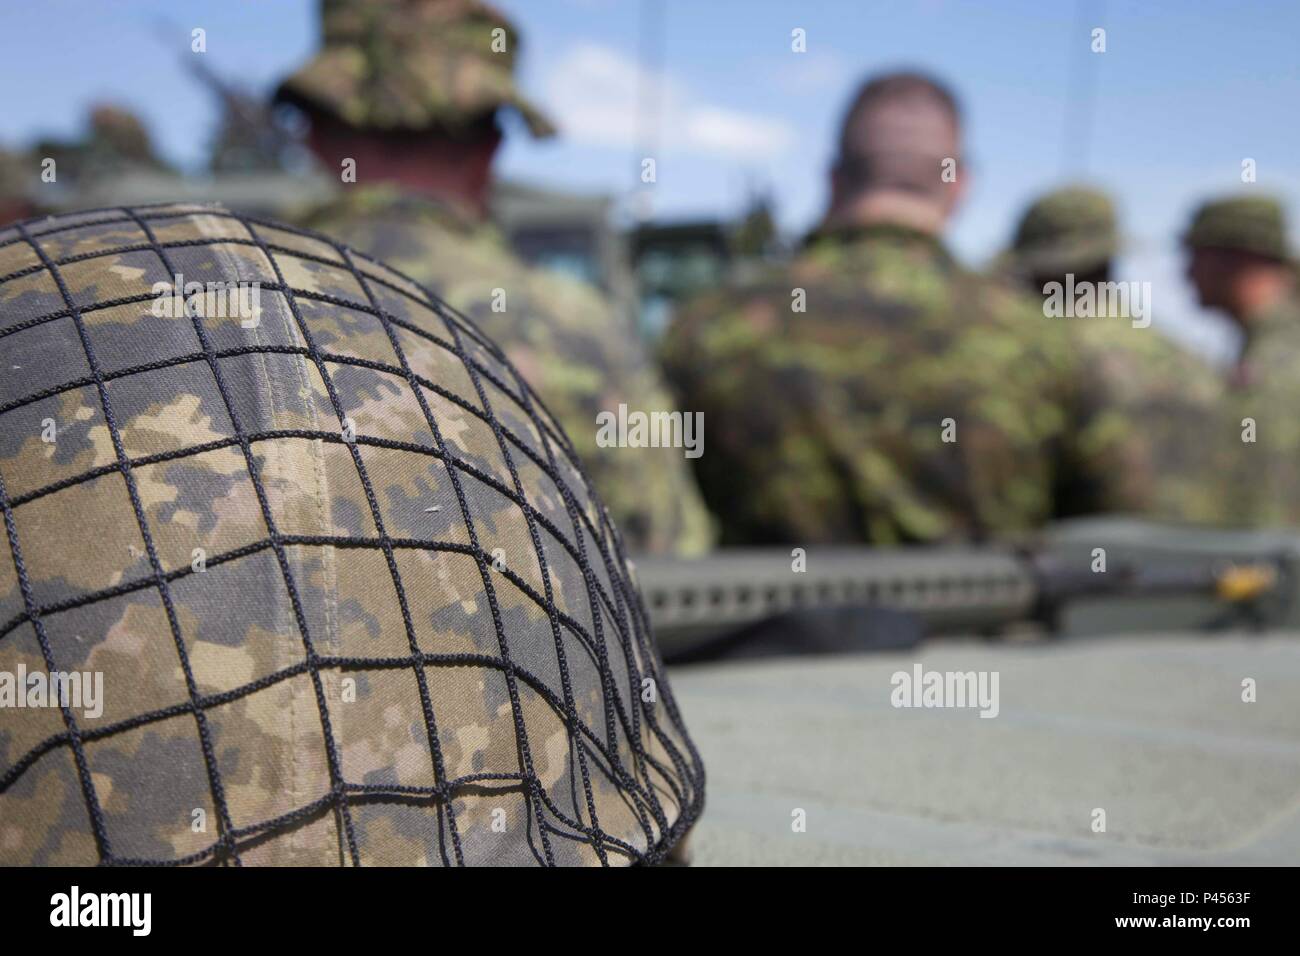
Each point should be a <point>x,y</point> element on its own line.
<point>1099,576</point>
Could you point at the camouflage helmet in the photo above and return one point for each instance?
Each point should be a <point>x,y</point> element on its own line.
<point>392,65</point>
<point>1073,229</point>
<point>333,586</point>
<point>1253,224</point>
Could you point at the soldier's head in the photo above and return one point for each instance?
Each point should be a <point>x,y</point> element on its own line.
<point>343,581</point>
<point>411,90</point>
<point>899,155</point>
<point>1238,258</point>
<point>120,133</point>
<point>1069,231</point>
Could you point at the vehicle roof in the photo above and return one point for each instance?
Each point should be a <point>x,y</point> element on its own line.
<point>1152,728</point>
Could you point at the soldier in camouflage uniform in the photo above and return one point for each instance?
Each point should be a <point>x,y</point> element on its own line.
<point>349,595</point>
<point>411,91</point>
<point>120,136</point>
<point>1154,397</point>
<point>1240,264</point>
<point>876,391</point>
<point>116,141</point>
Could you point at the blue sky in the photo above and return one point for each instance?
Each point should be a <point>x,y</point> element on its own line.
<point>1185,90</point>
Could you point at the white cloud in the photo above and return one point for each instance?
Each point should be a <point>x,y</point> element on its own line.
<point>727,131</point>
<point>593,94</point>
<point>598,97</point>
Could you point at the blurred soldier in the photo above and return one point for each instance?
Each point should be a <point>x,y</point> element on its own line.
<point>279,585</point>
<point>410,92</point>
<point>116,141</point>
<point>1153,398</point>
<point>877,391</point>
<point>119,133</point>
<point>1240,264</point>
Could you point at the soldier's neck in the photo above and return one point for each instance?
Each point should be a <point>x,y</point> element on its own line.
<point>456,173</point>
<point>887,208</point>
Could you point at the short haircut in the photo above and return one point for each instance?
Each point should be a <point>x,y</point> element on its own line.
<point>896,132</point>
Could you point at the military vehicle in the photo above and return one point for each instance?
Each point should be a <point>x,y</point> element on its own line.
<point>1147,713</point>
<point>564,231</point>
<point>676,261</point>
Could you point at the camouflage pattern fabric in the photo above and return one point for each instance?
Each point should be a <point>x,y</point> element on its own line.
<point>1260,428</point>
<point>1259,446</point>
<point>351,597</point>
<point>828,425</point>
<point>411,64</point>
<point>1151,401</point>
<point>1069,230</point>
<point>1245,224</point>
<point>1148,399</point>
<point>570,346</point>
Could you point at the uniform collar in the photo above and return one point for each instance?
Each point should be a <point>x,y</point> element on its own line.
<point>384,199</point>
<point>874,232</point>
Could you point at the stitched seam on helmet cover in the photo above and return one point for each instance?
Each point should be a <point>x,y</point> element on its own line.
<point>277,463</point>
<point>301,838</point>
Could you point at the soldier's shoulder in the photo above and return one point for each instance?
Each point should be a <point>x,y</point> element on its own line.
<point>1281,327</point>
<point>1144,361</point>
<point>911,283</point>
<point>1275,350</point>
<point>464,258</point>
<point>379,211</point>
<point>737,314</point>
<point>1002,319</point>
<point>996,298</point>
<point>899,286</point>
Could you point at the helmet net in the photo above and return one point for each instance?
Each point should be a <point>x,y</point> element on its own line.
<point>352,596</point>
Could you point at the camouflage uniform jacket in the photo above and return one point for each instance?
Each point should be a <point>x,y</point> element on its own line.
<point>568,343</point>
<point>1145,402</point>
<point>830,425</point>
<point>1261,430</point>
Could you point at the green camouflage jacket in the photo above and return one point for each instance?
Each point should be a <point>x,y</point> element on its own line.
<point>912,401</point>
<point>1261,426</point>
<point>1150,402</point>
<point>568,343</point>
